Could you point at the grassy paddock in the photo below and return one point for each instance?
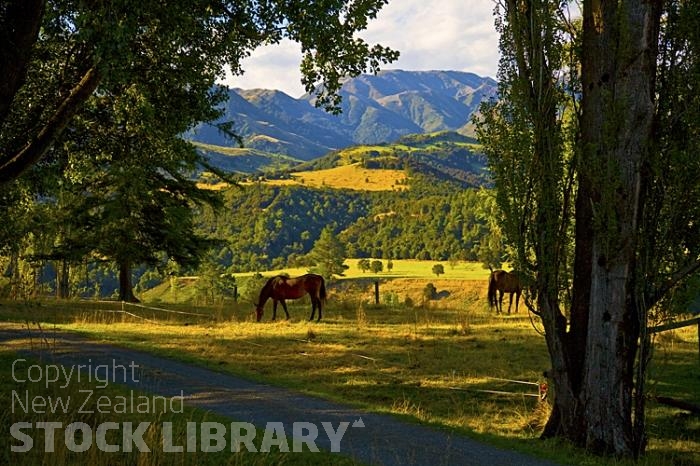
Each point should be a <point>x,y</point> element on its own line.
<point>457,287</point>
<point>428,363</point>
<point>402,268</point>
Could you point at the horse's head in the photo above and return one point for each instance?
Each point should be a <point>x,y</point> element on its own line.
<point>258,312</point>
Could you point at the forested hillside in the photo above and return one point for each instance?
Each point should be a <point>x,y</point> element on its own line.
<point>440,215</point>
<point>265,226</point>
<point>439,224</point>
<point>440,210</point>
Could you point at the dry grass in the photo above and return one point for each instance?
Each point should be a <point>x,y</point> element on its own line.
<point>351,176</point>
<point>383,358</point>
<point>428,362</point>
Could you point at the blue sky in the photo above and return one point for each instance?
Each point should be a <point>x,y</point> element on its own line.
<point>431,35</point>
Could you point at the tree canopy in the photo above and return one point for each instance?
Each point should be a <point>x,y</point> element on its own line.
<point>328,253</point>
<point>54,54</point>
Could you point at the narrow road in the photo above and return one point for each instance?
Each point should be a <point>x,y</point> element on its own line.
<point>383,439</point>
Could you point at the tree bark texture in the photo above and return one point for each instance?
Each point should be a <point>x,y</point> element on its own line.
<point>126,290</point>
<point>619,54</point>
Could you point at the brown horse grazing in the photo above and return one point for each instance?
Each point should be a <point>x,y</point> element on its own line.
<point>504,282</point>
<point>282,287</point>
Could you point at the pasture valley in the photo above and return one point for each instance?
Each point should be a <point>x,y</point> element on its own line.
<point>245,233</point>
<point>411,225</point>
<point>442,360</point>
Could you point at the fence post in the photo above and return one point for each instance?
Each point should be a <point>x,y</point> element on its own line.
<point>376,292</point>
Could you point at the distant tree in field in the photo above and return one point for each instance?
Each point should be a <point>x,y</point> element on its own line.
<point>453,261</point>
<point>328,253</point>
<point>251,288</point>
<point>389,265</point>
<point>214,283</point>
<point>376,266</point>
<point>207,285</point>
<point>438,269</point>
<point>363,264</point>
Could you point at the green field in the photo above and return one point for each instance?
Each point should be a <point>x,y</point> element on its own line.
<point>460,282</point>
<point>402,268</point>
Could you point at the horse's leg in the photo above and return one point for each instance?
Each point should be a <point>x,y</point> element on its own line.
<point>274,309</point>
<point>517,300</point>
<point>499,306</point>
<point>284,306</point>
<point>313,309</point>
<point>510,302</point>
<point>315,302</point>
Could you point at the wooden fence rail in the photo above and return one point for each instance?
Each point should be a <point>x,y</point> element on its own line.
<point>675,325</point>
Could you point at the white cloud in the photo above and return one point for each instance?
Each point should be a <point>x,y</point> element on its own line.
<point>437,35</point>
<point>271,67</point>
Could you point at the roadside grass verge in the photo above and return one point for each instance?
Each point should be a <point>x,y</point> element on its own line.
<point>165,425</point>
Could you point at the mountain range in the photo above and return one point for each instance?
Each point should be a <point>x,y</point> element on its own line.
<point>375,109</point>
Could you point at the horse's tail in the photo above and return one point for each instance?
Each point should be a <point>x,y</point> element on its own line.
<point>322,291</point>
<point>492,290</point>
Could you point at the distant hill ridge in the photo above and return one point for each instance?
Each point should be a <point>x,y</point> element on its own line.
<point>376,109</point>
<point>441,156</point>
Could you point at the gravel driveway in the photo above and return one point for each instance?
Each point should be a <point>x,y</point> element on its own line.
<point>377,439</point>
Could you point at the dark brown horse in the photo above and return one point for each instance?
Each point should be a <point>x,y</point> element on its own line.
<point>504,282</point>
<point>282,287</point>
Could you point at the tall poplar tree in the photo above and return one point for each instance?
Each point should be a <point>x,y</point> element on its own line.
<point>590,172</point>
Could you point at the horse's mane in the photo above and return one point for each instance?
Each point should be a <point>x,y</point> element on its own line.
<point>272,280</point>
<point>267,288</point>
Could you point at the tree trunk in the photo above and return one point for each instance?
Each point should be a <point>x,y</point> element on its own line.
<point>593,361</point>
<point>62,280</point>
<point>20,22</point>
<point>126,290</point>
<point>618,78</point>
